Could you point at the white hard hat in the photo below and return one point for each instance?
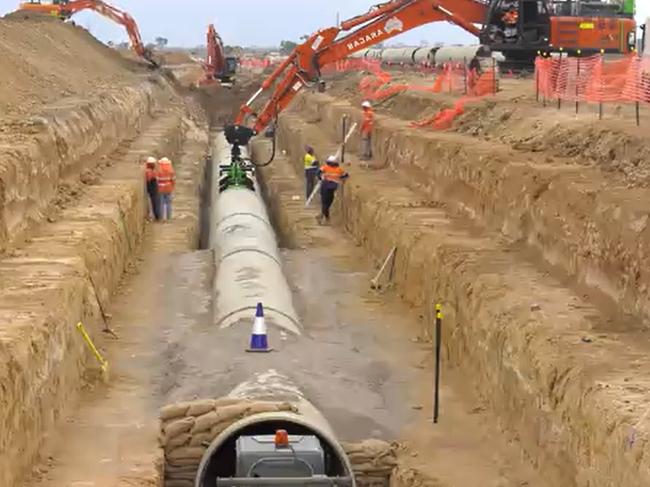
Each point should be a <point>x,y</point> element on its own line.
<point>331,159</point>
<point>366,104</point>
<point>164,160</point>
<point>151,160</point>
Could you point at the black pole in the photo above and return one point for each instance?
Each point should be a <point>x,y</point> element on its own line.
<point>436,394</point>
<point>559,95</point>
<point>537,83</point>
<point>600,103</point>
<point>577,86</point>
<point>494,75</point>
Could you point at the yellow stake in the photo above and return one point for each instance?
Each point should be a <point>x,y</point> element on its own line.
<point>103,363</point>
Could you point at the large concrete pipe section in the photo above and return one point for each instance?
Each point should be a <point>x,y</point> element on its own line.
<point>222,461</point>
<point>247,260</point>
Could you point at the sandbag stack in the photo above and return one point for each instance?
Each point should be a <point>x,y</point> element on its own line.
<point>188,428</point>
<point>373,462</point>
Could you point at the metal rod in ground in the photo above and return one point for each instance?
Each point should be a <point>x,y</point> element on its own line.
<point>578,85</point>
<point>344,127</point>
<point>638,114</point>
<point>536,84</point>
<point>374,283</point>
<point>436,391</point>
<point>494,75</point>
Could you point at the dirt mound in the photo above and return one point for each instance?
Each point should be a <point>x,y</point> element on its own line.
<point>44,60</point>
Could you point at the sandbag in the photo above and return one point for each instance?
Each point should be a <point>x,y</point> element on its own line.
<point>175,428</point>
<point>199,408</point>
<point>205,422</point>
<point>174,411</point>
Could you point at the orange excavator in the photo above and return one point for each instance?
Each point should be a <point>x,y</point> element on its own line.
<point>217,66</point>
<point>534,26</point>
<point>64,9</point>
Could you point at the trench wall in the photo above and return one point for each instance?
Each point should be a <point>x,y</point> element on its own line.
<point>58,144</point>
<point>67,271</point>
<point>577,218</point>
<point>516,333</point>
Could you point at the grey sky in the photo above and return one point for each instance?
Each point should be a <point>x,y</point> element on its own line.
<point>251,22</point>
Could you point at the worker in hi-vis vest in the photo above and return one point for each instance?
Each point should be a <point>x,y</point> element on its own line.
<point>166,184</point>
<point>367,127</point>
<point>331,176</point>
<point>311,170</point>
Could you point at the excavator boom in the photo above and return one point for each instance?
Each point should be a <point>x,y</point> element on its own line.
<point>326,46</point>
<point>66,9</point>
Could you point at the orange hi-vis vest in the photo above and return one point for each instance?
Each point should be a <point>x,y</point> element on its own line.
<point>333,174</point>
<point>368,121</point>
<point>166,178</point>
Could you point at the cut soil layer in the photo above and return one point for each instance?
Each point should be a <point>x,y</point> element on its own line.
<point>544,358</point>
<point>64,275</point>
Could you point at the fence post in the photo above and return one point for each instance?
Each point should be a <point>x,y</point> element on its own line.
<point>436,392</point>
<point>637,106</point>
<point>494,75</point>
<point>465,74</point>
<point>559,94</point>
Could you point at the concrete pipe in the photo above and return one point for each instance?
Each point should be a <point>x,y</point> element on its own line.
<point>247,260</point>
<point>219,460</point>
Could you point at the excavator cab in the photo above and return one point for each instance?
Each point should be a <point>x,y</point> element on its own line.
<point>521,28</point>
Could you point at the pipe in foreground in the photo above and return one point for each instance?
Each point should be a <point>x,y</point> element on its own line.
<point>247,259</point>
<point>220,461</point>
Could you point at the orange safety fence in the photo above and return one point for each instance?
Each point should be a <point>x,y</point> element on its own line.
<point>449,78</point>
<point>593,79</point>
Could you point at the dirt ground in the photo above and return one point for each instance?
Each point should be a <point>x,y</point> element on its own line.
<point>528,222</point>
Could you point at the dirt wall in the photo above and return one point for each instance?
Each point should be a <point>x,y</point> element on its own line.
<point>539,354</point>
<point>578,220</point>
<point>60,277</point>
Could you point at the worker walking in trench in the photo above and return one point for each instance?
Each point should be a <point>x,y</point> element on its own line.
<point>331,176</point>
<point>166,184</point>
<point>311,170</point>
<point>152,188</point>
<point>367,127</point>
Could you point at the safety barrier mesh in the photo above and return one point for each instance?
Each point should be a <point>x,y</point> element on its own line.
<point>594,79</point>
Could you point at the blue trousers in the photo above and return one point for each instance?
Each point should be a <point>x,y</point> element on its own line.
<point>166,206</point>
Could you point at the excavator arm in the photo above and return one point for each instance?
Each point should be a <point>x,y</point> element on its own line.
<point>382,22</point>
<point>66,9</point>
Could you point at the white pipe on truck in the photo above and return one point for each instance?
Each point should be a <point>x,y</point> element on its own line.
<point>247,260</point>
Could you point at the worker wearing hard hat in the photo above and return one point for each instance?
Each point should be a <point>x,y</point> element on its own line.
<point>166,184</point>
<point>367,127</point>
<point>152,187</point>
<point>311,170</point>
<point>331,176</point>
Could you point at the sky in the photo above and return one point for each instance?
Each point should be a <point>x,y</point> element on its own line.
<point>252,22</point>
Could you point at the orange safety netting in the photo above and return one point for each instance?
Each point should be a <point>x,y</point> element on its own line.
<point>255,62</point>
<point>593,79</point>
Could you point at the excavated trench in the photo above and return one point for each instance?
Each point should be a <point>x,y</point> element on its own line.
<point>540,351</point>
<point>488,240</point>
